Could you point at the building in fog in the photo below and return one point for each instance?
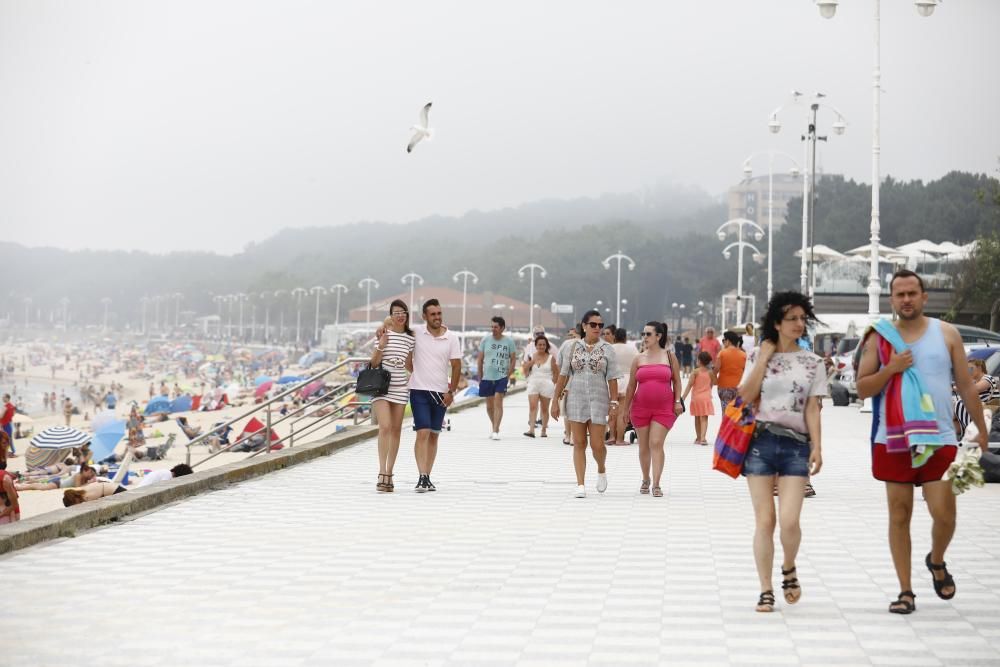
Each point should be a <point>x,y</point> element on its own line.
<point>748,199</point>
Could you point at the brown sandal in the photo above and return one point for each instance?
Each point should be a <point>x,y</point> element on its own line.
<point>657,492</point>
<point>384,484</point>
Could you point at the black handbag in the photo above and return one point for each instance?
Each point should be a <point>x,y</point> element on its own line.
<point>373,381</point>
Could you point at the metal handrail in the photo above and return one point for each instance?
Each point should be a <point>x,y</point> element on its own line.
<point>264,406</point>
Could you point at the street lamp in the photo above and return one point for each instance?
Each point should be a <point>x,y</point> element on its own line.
<point>241,298</point>
<point>740,244</point>
<point>606,263</point>
<point>298,293</point>
<point>367,284</point>
<point>338,289</point>
<point>318,291</point>
<point>414,281</point>
<point>27,306</point>
<point>281,315</point>
<point>678,309</point>
<point>107,302</point>
<point>65,311</point>
<point>806,277</point>
<point>748,172</point>
<point>827,8</point>
<point>465,274</point>
<point>531,268</point>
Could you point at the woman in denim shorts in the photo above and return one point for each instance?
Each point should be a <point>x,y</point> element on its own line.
<point>786,382</point>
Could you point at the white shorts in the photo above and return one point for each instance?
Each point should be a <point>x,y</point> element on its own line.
<point>541,386</point>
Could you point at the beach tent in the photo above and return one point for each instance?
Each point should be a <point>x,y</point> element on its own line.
<point>50,446</point>
<point>157,404</point>
<point>254,426</point>
<point>181,403</point>
<point>310,358</point>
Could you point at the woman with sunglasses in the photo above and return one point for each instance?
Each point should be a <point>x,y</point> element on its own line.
<point>394,352</point>
<point>653,395</point>
<point>590,371</point>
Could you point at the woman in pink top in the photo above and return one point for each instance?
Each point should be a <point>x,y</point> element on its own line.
<point>651,398</point>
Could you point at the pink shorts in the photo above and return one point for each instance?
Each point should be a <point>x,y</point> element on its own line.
<point>642,417</point>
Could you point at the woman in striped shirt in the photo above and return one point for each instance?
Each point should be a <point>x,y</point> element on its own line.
<point>394,352</point>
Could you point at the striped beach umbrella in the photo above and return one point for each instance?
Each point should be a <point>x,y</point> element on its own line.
<point>48,447</point>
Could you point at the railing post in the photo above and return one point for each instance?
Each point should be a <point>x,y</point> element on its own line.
<point>267,434</point>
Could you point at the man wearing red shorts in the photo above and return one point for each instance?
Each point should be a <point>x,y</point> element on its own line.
<point>934,349</point>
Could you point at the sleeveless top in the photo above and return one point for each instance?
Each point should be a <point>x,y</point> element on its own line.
<point>932,361</point>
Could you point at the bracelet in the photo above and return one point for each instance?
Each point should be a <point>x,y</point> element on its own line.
<point>380,349</point>
<point>614,403</point>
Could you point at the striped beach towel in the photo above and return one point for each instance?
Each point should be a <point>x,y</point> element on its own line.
<point>910,420</point>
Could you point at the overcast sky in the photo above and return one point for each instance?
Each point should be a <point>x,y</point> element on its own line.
<point>204,125</point>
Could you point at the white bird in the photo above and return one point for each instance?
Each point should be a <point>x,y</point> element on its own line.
<point>422,131</point>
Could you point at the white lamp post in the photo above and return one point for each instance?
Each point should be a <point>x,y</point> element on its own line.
<point>338,289</point>
<point>806,277</point>
<point>606,263</point>
<point>827,9</point>
<point>748,172</point>
<point>298,293</point>
<point>281,315</point>
<point>740,244</point>
<point>414,281</point>
<point>367,284</point>
<point>177,308</point>
<point>241,299</point>
<point>27,306</point>
<point>531,268</point>
<point>465,274</point>
<point>318,291</point>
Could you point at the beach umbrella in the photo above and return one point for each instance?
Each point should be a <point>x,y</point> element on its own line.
<point>50,445</point>
<point>821,252</point>
<point>289,379</point>
<point>105,439</point>
<point>261,379</point>
<point>157,404</point>
<point>312,388</point>
<point>101,418</point>
<point>922,247</point>
<point>263,389</point>
<point>181,404</point>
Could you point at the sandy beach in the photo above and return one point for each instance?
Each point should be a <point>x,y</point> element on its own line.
<point>134,374</point>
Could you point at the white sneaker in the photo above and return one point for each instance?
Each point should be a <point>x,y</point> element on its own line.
<point>602,482</point>
<point>494,436</point>
<point>581,492</point>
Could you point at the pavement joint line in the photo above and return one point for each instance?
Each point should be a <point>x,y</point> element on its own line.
<point>70,521</point>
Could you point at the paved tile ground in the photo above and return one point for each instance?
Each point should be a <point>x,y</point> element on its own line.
<point>501,566</point>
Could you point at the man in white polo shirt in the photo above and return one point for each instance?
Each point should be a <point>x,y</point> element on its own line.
<point>431,392</point>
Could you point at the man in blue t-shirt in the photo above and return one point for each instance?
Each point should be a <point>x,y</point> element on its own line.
<point>496,365</point>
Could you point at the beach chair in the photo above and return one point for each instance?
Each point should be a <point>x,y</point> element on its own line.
<point>159,452</point>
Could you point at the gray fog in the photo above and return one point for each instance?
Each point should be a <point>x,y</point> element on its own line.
<point>200,125</point>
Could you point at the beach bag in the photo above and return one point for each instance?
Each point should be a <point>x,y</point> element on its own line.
<point>373,381</point>
<point>734,437</point>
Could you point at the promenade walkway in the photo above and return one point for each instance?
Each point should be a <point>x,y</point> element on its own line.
<point>501,566</point>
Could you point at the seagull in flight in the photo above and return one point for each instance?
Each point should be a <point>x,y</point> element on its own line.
<point>422,130</point>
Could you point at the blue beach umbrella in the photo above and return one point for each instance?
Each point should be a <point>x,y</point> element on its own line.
<point>260,379</point>
<point>288,379</point>
<point>157,404</point>
<point>104,441</point>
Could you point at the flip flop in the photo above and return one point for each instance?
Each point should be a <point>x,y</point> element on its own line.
<point>529,434</point>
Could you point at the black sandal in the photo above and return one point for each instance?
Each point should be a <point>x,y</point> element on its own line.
<point>903,606</point>
<point>940,584</point>
<point>766,600</point>
<point>790,585</point>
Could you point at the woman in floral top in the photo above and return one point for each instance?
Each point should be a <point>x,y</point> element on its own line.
<point>786,383</point>
<point>590,370</point>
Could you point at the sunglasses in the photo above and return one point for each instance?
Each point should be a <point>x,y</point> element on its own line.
<point>399,313</point>
<point>595,325</point>
<point>647,334</point>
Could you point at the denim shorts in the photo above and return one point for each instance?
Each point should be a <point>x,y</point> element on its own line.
<point>771,454</point>
<point>489,388</point>
<point>428,410</point>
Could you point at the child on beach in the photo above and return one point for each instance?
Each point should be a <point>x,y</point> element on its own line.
<point>701,381</point>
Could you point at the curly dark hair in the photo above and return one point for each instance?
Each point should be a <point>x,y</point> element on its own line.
<point>780,304</point>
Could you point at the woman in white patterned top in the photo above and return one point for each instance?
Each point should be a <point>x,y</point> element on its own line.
<point>394,352</point>
<point>590,370</point>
